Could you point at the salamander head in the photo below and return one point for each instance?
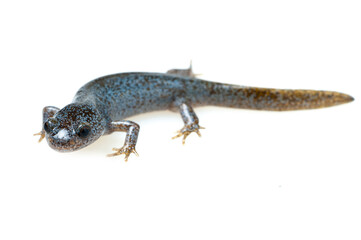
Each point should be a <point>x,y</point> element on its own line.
<point>74,127</point>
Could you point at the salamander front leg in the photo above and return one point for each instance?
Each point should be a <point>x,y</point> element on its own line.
<point>48,112</point>
<point>191,122</point>
<point>132,130</point>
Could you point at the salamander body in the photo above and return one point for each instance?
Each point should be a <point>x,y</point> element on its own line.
<point>102,105</point>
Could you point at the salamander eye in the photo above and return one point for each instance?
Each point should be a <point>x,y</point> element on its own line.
<point>83,130</point>
<point>50,124</point>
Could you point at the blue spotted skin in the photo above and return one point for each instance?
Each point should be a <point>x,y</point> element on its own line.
<point>101,106</point>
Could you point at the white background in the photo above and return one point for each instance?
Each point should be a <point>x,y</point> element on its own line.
<point>252,175</point>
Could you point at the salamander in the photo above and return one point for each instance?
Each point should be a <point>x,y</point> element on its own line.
<point>102,106</point>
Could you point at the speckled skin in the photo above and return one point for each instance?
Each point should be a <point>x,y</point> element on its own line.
<point>100,106</point>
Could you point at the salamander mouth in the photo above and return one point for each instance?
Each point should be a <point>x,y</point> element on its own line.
<point>64,145</point>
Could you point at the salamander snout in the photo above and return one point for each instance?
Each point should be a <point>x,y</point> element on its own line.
<point>61,139</point>
<point>73,127</point>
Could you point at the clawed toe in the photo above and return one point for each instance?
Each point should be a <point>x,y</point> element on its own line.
<point>186,130</point>
<point>41,134</point>
<point>124,150</point>
<point>184,72</point>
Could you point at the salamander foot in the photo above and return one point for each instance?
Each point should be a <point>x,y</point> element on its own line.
<point>188,129</point>
<point>41,134</point>
<point>184,72</point>
<point>126,150</point>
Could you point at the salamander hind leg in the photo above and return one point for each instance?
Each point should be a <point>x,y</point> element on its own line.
<point>183,72</point>
<point>191,122</point>
<point>132,130</point>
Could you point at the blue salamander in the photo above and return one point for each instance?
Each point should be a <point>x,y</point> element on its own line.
<point>101,106</point>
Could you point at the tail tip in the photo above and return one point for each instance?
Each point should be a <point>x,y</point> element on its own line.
<point>348,98</point>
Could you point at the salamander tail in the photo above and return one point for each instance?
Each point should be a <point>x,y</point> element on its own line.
<point>275,99</point>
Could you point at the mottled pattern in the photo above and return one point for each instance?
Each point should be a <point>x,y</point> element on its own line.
<point>122,95</point>
<point>191,122</point>
<point>64,124</point>
<point>132,130</point>
<point>104,103</point>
